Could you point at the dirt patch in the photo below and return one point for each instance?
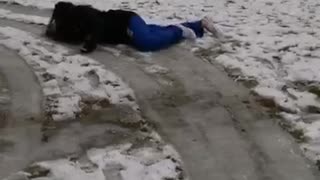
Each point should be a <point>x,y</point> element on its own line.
<point>318,164</point>
<point>209,54</point>
<point>236,75</point>
<point>89,105</point>
<point>298,134</point>
<point>273,111</point>
<point>36,171</point>
<point>100,113</point>
<point>172,96</point>
<point>269,105</point>
<point>121,115</point>
<point>248,83</point>
<point>314,90</point>
<point>313,109</point>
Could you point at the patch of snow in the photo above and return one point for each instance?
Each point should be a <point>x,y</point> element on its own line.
<point>156,69</point>
<point>309,124</point>
<point>23,18</point>
<point>159,11</point>
<point>273,42</point>
<point>67,81</point>
<point>121,162</point>
<point>277,44</point>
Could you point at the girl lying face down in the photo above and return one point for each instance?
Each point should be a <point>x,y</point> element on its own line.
<point>87,25</point>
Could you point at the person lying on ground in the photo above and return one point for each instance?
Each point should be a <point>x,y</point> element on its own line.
<point>85,24</point>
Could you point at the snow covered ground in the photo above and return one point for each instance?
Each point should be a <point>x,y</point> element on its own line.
<point>71,82</point>
<point>23,18</point>
<point>275,47</point>
<point>122,162</point>
<point>68,81</point>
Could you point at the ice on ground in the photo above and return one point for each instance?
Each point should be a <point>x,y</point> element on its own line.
<point>67,80</point>
<point>121,162</point>
<point>274,42</point>
<point>156,69</point>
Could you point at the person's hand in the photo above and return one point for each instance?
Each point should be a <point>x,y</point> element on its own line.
<point>88,47</point>
<point>84,50</point>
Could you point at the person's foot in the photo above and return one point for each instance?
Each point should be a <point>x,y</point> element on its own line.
<point>208,24</point>
<point>187,32</point>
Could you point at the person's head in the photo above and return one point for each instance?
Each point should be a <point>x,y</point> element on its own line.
<point>59,15</point>
<point>61,9</point>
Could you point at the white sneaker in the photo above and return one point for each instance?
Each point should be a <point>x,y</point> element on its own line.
<point>208,25</point>
<point>187,32</point>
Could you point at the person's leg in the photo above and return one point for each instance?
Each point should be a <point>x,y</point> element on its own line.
<point>153,37</point>
<point>187,33</point>
<point>208,24</point>
<point>196,26</point>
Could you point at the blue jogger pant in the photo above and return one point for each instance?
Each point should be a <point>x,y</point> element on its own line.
<point>150,37</point>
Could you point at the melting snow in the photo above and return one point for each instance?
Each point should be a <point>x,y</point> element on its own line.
<point>275,42</point>
<point>67,80</point>
<point>120,162</point>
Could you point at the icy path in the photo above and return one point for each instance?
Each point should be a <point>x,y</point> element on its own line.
<point>67,81</point>
<point>183,102</point>
<point>275,50</point>
<point>27,140</point>
<point>22,82</point>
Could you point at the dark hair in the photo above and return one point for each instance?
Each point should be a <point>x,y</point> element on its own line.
<point>63,5</point>
<point>62,8</point>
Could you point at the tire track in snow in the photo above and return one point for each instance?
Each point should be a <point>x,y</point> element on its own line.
<point>185,124</point>
<point>67,81</point>
<point>25,92</point>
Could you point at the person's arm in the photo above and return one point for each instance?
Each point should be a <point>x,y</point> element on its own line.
<point>60,12</point>
<point>51,27</point>
<point>91,40</point>
<point>95,28</point>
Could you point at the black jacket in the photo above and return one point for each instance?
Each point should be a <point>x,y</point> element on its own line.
<point>85,24</point>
